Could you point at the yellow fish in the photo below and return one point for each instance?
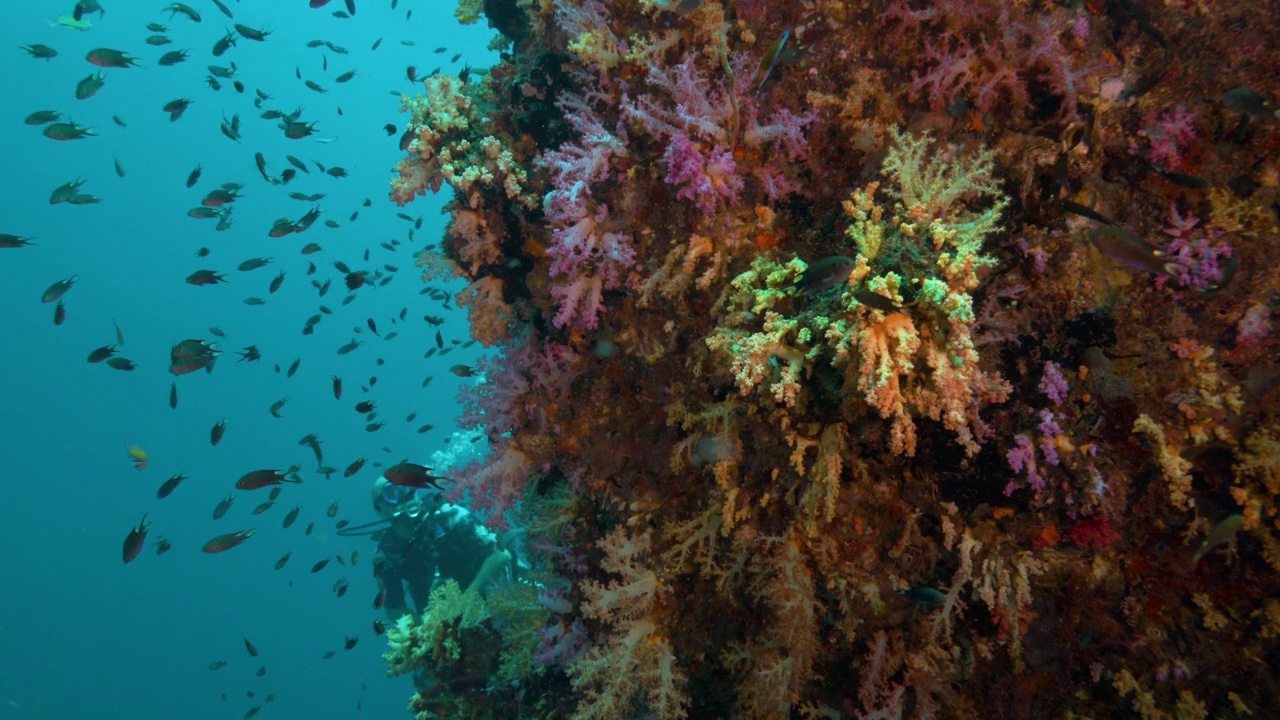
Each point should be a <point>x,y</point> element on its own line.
<point>69,21</point>
<point>138,456</point>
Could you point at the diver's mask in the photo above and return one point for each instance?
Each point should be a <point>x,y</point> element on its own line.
<point>403,501</point>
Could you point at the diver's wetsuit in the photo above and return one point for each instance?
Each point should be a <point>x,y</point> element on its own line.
<point>449,542</point>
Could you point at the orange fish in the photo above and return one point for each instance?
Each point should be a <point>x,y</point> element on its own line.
<point>138,457</point>
<point>412,475</point>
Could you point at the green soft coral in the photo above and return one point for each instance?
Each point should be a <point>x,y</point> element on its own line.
<point>435,640</point>
<point>922,253</point>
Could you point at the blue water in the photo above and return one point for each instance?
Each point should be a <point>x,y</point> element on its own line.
<point>81,633</point>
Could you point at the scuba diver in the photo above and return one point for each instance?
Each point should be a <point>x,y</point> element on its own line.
<point>423,540</point>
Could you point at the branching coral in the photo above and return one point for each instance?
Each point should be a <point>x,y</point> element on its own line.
<point>638,662</point>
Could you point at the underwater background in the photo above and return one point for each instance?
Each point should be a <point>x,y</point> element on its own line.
<point>80,633</point>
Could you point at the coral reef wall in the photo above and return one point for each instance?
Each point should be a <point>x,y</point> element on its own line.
<point>868,359</point>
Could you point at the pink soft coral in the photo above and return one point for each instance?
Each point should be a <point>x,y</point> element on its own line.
<point>988,53</point>
<point>492,486</point>
<point>705,175</point>
<point>585,255</point>
<point>1168,135</point>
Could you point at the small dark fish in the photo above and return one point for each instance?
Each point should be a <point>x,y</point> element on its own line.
<point>333,510</point>
<point>463,371</point>
<point>173,57</point>
<point>176,108</point>
<point>258,479</point>
<point>59,313</point>
<point>162,546</point>
<point>194,176</point>
<point>350,642</point>
<point>217,431</point>
<point>43,117</point>
<point>283,560</point>
<point>1123,245</point>
<point>169,486</point>
<point>875,300</point>
<point>353,468</point>
<point>825,274</point>
<point>178,8</point>
<point>121,363</point>
<point>225,43</point>
<point>249,33</point>
<point>1193,182</point>
<point>99,354</point>
<point>364,406</point>
<point>253,651</point>
<point>57,290</point>
<point>134,540</point>
<point>1246,101</point>
<point>225,542</point>
<point>217,664</point>
<point>337,388</point>
<point>925,596</point>
<point>222,507</point>
<point>68,131</point>
<point>319,566</point>
<point>200,278</point>
<point>40,52</point>
<point>173,395</point>
<point>1084,211</point>
<point>1222,533</point>
<point>292,515</point>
